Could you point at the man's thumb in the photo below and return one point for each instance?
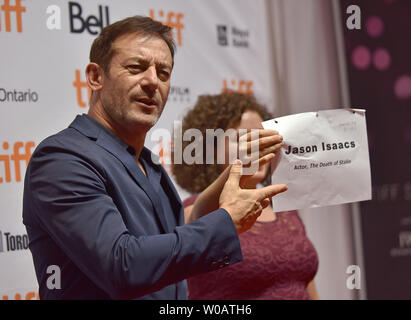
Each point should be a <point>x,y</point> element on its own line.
<point>235,173</point>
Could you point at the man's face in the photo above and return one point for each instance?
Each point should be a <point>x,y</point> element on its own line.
<point>136,85</point>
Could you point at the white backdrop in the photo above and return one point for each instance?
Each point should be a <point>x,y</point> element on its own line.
<point>47,66</point>
<point>235,44</point>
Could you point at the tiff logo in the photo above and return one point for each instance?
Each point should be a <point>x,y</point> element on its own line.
<point>28,296</point>
<point>18,9</point>
<point>80,85</point>
<point>163,154</point>
<point>16,157</point>
<point>241,86</point>
<point>173,21</point>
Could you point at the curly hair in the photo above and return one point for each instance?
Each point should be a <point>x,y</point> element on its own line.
<point>212,112</point>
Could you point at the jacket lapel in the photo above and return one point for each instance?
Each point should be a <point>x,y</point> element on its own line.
<point>118,148</point>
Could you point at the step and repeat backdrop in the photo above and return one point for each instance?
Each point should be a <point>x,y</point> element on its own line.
<point>44,51</point>
<point>379,76</point>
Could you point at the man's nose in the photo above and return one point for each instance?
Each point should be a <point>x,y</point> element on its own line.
<point>150,79</point>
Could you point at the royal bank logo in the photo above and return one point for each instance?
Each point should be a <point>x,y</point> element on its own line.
<point>232,36</point>
<point>222,36</point>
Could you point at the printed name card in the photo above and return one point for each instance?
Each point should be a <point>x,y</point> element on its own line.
<point>324,160</point>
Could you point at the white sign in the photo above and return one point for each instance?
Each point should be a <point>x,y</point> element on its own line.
<point>324,160</point>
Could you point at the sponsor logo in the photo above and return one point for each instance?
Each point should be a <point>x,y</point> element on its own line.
<point>18,296</point>
<point>392,192</point>
<point>222,36</point>
<point>80,85</point>
<point>164,153</point>
<point>404,238</point>
<point>179,94</point>
<point>15,95</point>
<point>16,156</point>
<point>404,245</point>
<point>17,9</point>
<point>173,20</point>
<point>10,242</point>
<point>92,23</point>
<point>242,86</point>
<point>232,36</point>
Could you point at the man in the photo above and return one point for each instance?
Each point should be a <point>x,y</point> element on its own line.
<point>98,207</point>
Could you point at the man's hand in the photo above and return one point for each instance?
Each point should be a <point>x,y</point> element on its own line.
<point>261,148</point>
<point>258,148</point>
<point>245,205</point>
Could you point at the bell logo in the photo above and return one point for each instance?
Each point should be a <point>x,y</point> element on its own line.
<point>80,85</point>
<point>90,23</point>
<point>173,21</point>
<point>241,86</point>
<point>18,9</point>
<point>16,157</point>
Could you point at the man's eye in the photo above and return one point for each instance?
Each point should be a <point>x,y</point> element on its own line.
<point>134,67</point>
<point>163,75</point>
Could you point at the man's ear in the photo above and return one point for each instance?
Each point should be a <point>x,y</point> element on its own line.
<point>94,76</point>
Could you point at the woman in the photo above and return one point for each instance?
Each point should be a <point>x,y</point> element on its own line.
<point>280,262</point>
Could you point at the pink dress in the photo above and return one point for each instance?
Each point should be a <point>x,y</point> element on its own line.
<point>279,262</point>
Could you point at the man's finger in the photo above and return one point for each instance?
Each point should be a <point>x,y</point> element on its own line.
<point>235,173</point>
<point>271,149</point>
<point>271,191</point>
<point>256,165</point>
<point>261,133</point>
<point>266,141</point>
<point>260,156</point>
<point>265,203</point>
<point>260,143</point>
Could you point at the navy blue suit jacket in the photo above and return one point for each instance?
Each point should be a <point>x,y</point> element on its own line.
<point>114,232</point>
